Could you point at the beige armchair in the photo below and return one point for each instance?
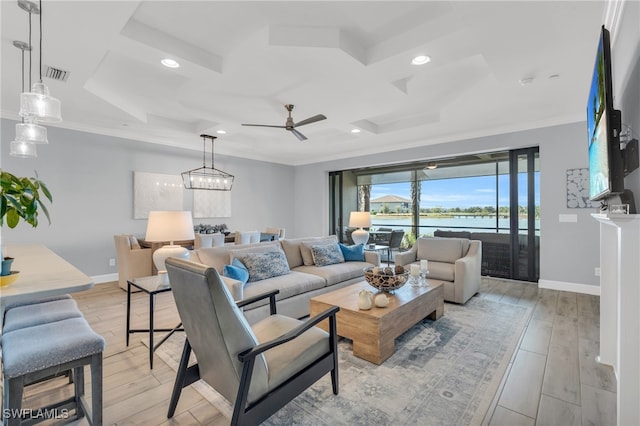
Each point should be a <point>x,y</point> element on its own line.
<point>456,261</point>
<point>280,232</point>
<point>133,262</point>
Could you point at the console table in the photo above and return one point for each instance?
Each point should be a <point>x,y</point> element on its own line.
<point>619,313</point>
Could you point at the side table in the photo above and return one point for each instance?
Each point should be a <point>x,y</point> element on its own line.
<point>150,285</point>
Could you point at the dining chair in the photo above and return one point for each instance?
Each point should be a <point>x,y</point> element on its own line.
<point>258,368</point>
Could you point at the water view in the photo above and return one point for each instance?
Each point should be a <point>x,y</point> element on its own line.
<point>428,224</point>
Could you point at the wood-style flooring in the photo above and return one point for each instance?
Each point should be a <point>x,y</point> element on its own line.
<point>553,378</point>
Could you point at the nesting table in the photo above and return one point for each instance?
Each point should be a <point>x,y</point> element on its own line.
<point>152,286</point>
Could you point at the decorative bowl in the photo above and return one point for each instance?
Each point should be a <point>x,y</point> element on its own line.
<point>386,283</point>
<point>6,280</point>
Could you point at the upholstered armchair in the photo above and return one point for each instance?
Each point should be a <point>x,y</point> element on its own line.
<point>133,261</point>
<point>280,232</point>
<point>456,261</point>
<point>258,368</point>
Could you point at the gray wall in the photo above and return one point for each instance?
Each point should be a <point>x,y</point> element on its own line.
<point>626,79</point>
<point>91,179</point>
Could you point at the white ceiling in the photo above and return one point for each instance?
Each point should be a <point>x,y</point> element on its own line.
<point>242,61</point>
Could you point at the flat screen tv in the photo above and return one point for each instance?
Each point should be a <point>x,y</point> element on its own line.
<point>606,168</point>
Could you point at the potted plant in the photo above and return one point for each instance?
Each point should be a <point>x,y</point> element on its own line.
<point>21,198</point>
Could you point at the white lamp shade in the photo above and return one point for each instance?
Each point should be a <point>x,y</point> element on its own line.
<point>23,149</point>
<point>169,226</point>
<point>31,132</point>
<point>360,220</point>
<point>40,105</point>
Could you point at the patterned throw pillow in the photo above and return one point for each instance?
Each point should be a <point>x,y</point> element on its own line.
<point>329,254</point>
<point>265,265</point>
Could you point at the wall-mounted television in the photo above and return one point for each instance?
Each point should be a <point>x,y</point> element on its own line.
<point>606,167</point>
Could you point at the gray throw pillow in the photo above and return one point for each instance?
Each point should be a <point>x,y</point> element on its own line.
<point>328,254</point>
<point>264,265</point>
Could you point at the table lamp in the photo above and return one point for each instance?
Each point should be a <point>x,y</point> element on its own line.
<point>169,226</point>
<point>360,220</point>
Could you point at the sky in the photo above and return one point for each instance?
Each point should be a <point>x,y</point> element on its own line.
<point>461,192</point>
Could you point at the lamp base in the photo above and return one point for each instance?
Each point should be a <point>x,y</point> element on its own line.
<point>360,236</point>
<point>164,252</point>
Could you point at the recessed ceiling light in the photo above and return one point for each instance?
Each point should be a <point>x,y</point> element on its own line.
<point>221,132</point>
<point>421,60</point>
<point>170,63</point>
<point>355,130</point>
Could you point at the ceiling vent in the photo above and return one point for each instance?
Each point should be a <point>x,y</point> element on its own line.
<point>55,73</point>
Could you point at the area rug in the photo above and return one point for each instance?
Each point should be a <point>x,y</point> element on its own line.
<point>443,372</point>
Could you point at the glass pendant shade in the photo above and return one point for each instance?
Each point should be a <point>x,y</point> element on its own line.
<point>38,104</point>
<point>31,132</point>
<point>23,149</point>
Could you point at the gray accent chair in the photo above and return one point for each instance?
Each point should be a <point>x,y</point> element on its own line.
<point>258,368</point>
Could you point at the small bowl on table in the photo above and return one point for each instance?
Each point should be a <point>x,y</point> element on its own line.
<point>6,280</point>
<point>385,282</point>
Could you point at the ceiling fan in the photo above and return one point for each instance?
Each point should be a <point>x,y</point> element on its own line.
<point>290,125</point>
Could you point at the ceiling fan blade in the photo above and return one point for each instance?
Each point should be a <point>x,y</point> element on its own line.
<point>299,135</point>
<point>310,120</point>
<point>264,125</point>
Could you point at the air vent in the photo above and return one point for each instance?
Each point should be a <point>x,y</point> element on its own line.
<point>55,73</point>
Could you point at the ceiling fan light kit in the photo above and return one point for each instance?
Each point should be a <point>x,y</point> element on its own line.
<point>208,178</point>
<point>290,125</point>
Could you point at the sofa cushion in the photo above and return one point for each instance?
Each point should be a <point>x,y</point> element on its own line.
<point>217,257</point>
<point>253,248</point>
<point>264,265</point>
<point>289,285</point>
<point>294,250</point>
<point>237,271</point>
<point>305,247</point>
<point>441,249</point>
<point>337,273</point>
<point>441,270</point>
<point>326,254</point>
<point>352,253</point>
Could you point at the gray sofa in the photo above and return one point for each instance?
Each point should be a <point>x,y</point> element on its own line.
<point>304,281</point>
<point>453,260</point>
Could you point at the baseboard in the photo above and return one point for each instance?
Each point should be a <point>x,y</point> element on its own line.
<point>574,287</point>
<point>107,278</point>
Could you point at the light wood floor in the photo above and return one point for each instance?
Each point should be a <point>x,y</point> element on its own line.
<point>553,378</point>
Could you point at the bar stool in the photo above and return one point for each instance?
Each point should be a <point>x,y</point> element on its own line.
<point>40,352</point>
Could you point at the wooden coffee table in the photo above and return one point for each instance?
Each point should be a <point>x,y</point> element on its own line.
<point>373,332</point>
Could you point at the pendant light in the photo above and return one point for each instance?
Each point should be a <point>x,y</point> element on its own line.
<point>38,104</point>
<point>207,177</point>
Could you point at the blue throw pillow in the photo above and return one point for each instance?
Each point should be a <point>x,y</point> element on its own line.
<point>353,253</point>
<point>237,271</point>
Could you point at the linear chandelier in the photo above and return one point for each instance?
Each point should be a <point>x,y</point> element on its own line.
<point>205,177</point>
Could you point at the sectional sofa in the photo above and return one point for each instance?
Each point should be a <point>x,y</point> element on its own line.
<point>303,268</point>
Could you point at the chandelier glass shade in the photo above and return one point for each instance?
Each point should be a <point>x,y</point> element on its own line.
<point>39,105</point>
<point>205,177</point>
<point>23,149</point>
<point>31,132</point>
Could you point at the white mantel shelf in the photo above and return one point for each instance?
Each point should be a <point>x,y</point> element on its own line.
<point>620,308</point>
